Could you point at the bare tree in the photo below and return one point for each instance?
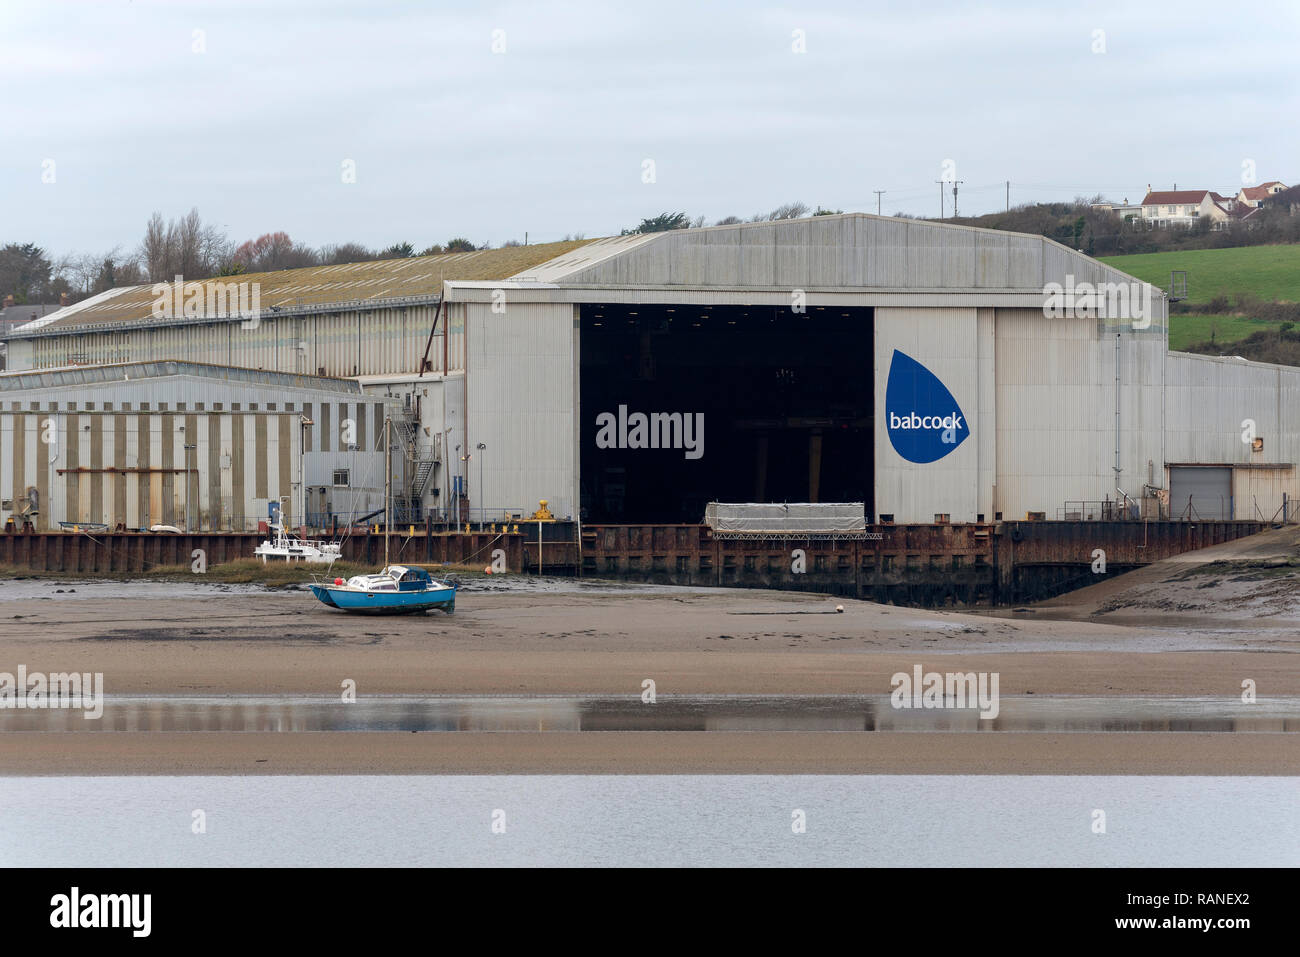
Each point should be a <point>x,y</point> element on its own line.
<point>789,211</point>
<point>186,237</point>
<point>333,255</point>
<point>184,247</point>
<point>272,251</point>
<point>153,250</point>
<point>128,273</point>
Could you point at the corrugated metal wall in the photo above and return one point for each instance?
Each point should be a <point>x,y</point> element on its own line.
<point>945,341</point>
<point>522,404</point>
<point>1213,406</point>
<point>330,412</point>
<point>1039,396</point>
<point>1259,493</point>
<point>373,342</point>
<point>1210,398</point>
<point>133,468</point>
<point>1056,411</point>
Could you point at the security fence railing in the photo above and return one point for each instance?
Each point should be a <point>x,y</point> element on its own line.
<point>1112,510</point>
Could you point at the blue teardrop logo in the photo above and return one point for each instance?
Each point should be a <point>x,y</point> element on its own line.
<point>924,421</point>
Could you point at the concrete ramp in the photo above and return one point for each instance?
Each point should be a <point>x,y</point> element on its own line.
<point>1256,577</point>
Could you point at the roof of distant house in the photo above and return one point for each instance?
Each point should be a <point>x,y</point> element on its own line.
<point>1176,197</point>
<point>1262,191</point>
<point>17,315</point>
<point>1288,197</point>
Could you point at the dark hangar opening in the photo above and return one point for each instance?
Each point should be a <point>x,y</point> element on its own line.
<point>786,400</point>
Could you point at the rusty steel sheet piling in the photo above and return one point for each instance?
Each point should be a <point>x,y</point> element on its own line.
<point>938,565</point>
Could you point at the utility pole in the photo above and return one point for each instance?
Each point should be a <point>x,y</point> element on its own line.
<point>940,182</point>
<point>188,478</point>
<point>954,196</point>
<point>879,193</point>
<point>1008,196</point>
<point>482,502</point>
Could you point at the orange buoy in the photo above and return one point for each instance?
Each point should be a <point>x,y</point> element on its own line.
<point>487,570</point>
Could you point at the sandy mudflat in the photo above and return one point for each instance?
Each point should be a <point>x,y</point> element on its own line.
<point>624,752</point>
<point>729,642</point>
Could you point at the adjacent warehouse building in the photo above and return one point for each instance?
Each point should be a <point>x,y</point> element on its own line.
<point>931,371</point>
<point>196,447</point>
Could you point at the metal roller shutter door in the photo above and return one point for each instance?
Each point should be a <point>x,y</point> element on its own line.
<point>1209,489</point>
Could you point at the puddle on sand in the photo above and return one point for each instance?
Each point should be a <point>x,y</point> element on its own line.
<point>864,713</point>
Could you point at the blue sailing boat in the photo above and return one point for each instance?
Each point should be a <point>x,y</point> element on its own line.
<point>397,589</point>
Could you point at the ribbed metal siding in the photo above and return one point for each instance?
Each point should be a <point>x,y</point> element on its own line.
<point>227,495</point>
<point>376,342</point>
<point>521,402</point>
<point>1055,403</point>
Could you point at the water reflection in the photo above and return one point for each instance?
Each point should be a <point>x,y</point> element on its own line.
<point>1040,714</point>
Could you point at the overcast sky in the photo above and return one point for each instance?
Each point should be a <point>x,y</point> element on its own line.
<point>253,118</point>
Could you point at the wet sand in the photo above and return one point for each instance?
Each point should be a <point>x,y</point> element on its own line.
<point>631,752</point>
<point>740,642</point>
<point>734,642</point>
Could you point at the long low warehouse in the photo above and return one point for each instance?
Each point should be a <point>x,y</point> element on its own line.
<point>934,372</point>
<point>200,448</point>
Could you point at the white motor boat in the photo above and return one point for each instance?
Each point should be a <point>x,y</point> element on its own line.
<point>282,546</point>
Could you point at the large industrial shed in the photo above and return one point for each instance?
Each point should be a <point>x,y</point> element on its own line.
<point>781,361</point>
<point>201,448</point>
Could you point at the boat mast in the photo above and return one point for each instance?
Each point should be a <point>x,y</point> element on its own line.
<point>388,493</point>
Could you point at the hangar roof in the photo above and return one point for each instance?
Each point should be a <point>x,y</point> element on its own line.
<point>848,252</point>
<point>83,376</point>
<point>419,277</point>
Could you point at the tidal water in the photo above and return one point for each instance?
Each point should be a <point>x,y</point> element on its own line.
<point>669,713</point>
<point>686,820</point>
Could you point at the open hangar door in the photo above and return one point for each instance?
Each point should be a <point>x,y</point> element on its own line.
<point>784,400</point>
<point>1201,492</point>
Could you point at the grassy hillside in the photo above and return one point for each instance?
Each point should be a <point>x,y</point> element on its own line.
<point>1185,330</point>
<point>1262,272</point>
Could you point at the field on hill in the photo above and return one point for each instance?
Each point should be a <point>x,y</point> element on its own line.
<point>1184,330</point>
<point>1264,272</point>
<point>1240,284</point>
